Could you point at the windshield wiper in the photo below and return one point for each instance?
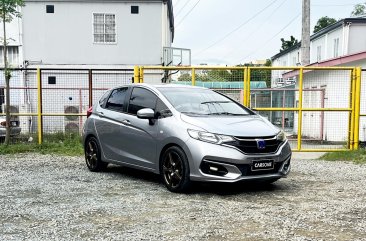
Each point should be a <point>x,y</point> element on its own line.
<point>192,113</point>
<point>214,102</point>
<point>227,113</point>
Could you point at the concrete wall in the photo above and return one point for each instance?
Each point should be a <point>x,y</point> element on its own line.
<point>66,36</point>
<point>357,39</point>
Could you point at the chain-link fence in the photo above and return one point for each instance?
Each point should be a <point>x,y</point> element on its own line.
<point>314,106</point>
<point>363,108</point>
<point>65,95</point>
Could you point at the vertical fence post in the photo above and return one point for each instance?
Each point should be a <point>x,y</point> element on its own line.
<point>248,87</point>
<point>357,108</point>
<point>141,75</point>
<point>299,119</point>
<point>352,105</point>
<point>136,74</point>
<point>90,74</point>
<point>39,106</point>
<point>245,79</point>
<point>193,77</point>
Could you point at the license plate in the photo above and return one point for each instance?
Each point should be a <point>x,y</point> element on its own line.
<point>262,165</point>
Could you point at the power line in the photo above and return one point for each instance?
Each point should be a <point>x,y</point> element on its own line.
<point>268,41</point>
<point>257,29</point>
<point>180,10</point>
<point>237,28</point>
<point>187,13</point>
<point>334,5</point>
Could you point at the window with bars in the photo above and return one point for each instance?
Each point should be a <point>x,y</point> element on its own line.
<point>13,54</point>
<point>104,28</point>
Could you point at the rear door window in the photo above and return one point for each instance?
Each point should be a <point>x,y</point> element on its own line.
<point>117,99</point>
<point>141,98</point>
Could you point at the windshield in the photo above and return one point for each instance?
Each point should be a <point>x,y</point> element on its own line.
<point>192,101</point>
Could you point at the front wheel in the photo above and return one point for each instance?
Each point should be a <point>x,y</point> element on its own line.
<point>174,169</point>
<point>93,155</point>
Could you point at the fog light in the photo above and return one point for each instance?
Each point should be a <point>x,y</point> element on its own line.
<point>213,168</point>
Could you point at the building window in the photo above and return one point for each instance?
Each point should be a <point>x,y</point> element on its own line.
<point>318,53</point>
<point>104,28</point>
<point>13,55</point>
<point>135,9</point>
<point>51,80</point>
<point>50,8</point>
<point>336,47</point>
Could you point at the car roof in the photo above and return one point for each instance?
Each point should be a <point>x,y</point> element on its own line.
<point>156,86</point>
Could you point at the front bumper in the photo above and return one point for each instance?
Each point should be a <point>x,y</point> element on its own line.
<point>236,164</point>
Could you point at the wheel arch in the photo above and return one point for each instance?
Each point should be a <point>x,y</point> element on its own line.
<point>168,146</point>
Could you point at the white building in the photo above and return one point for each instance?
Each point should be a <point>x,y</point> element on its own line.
<point>82,34</point>
<point>341,44</point>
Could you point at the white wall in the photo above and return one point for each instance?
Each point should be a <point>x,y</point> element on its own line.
<point>66,36</point>
<point>357,39</point>
<point>13,32</point>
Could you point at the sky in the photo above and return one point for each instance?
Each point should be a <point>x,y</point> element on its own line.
<point>231,32</point>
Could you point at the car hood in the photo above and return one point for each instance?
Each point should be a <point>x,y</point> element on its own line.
<point>245,126</point>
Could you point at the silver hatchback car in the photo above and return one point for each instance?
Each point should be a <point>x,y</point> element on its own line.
<point>184,134</point>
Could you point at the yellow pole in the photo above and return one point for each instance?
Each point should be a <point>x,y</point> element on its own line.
<point>299,119</point>
<point>141,79</point>
<point>193,77</point>
<point>39,106</point>
<point>357,108</point>
<point>352,119</point>
<point>245,78</point>
<point>248,88</point>
<point>136,74</point>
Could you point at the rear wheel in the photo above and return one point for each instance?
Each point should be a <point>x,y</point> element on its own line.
<point>93,155</point>
<point>174,169</point>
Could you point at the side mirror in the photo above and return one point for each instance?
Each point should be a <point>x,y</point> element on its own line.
<point>146,113</point>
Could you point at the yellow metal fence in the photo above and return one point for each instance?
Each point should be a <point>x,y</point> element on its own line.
<point>318,107</point>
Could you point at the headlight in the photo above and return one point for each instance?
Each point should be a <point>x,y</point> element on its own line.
<point>281,136</point>
<point>209,137</point>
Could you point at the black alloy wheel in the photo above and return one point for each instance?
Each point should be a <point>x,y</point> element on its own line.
<point>175,170</point>
<point>93,156</point>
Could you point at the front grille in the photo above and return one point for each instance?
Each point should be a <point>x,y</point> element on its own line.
<point>246,169</point>
<point>249,146</point>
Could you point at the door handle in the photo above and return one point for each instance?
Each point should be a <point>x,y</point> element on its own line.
<point>126,122</point>
<point>101,114</point>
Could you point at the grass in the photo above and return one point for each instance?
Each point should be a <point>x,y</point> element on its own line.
<point>57,143</point>
<point>358,156</point>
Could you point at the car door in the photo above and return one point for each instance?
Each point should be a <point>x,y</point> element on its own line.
<point>140,135</point>
<point>108,122</point>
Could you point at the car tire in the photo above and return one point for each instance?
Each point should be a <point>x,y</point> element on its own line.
<point>93,155</point>
<point>174,170</point>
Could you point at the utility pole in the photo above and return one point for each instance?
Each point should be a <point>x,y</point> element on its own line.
<point>305,36</point>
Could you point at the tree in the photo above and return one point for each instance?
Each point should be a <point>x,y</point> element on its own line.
<point>359,10</point>
<point>8,10</point>
<point>185,77</point>
<point>323,22</point>
<point>286,44</point>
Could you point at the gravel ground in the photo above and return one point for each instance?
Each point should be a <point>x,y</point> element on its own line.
<point>44,197</point>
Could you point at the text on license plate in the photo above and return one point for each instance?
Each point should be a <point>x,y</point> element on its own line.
<point>262,165</point>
